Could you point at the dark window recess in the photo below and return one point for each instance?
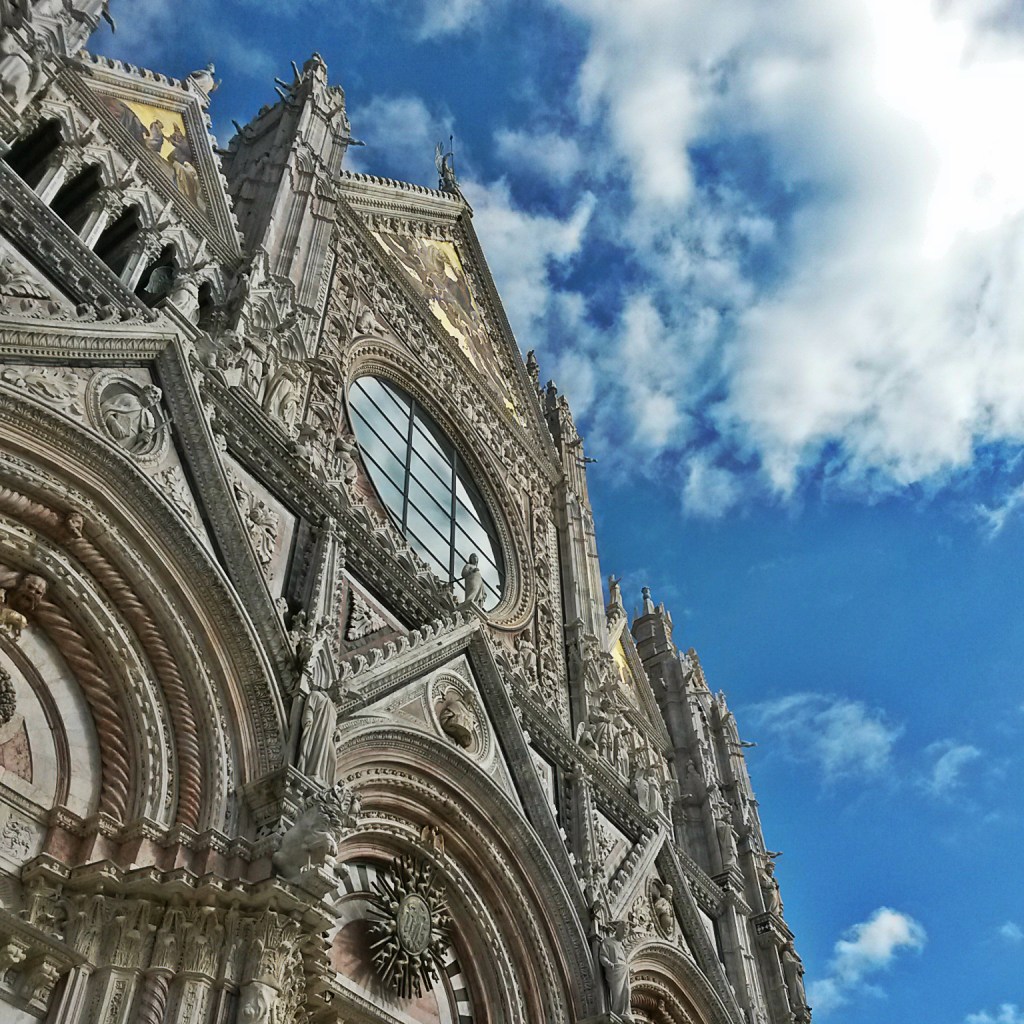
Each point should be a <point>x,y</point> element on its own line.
<point>424,485</point>
<point>30,156</point>
<point>158,278</point>
<point>72,202</point>
<point>207,307</point>
<point>114,246</point>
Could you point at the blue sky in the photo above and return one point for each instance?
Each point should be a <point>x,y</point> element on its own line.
<point>773,254</point>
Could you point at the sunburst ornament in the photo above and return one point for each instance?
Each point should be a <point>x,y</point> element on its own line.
<point>409,936</point>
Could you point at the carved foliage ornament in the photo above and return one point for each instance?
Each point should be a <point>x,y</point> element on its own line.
<point>8,698</point>
<point>362,620</point>
<point>410,931</point>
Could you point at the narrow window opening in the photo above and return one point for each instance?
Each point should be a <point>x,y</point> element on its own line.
<point>71,203</point>
<point>158,278</point>
<point>207,306</point>
<point>114,246</point>
<point>30,156</point>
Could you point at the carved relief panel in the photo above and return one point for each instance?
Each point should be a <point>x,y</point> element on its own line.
<point>269,523</point>
<point>125,408</point>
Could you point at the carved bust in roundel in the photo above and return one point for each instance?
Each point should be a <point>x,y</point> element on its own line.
<point>128,412</point>
<point>457,715</point>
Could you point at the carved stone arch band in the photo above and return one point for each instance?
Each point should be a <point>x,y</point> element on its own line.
<point>666,981</point>
<point>199,685</point>
<point>504,884</point>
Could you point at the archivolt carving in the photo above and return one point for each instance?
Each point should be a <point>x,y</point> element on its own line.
<point>236,664</point>
<point>103,702</point>
<point>493,844</point>
<point>129,605</point>
<point>670,983</point>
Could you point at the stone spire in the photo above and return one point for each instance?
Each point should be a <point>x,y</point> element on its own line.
<point>281,169</point>
<point>58,26</point>
<point>581,583</point>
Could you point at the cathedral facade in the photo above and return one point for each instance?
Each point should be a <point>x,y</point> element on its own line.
<point>314,705</point>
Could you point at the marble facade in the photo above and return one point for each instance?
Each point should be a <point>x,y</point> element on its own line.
<point>274,745</point>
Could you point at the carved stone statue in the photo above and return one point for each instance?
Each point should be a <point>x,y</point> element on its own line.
<point>282,398</point>
<point>317,755</point>
<point>694,788</point>
<point>184,294</point>
<point>641,787</point>
<point>131,419</point>
<point>472,582</point>
<point>612,954</point>
<point>457,720</point>
<point>793,971</point>
<point>664,912</point>
<point>528,656</point>
<point>18,69</point>
<point>313,840</point>
<point>770,889</point>
<point>726,841</point>
<point>655,797</point>
<point>585,738</point>
<point>622,751</point>
<point>614,591</point>
<point>204,81</point>
<point>444,162</point>
<point>345,460</point>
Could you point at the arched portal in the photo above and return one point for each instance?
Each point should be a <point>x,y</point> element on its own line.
<point>519,952</point>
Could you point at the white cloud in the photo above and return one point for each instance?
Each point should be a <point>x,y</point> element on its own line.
<point>1008,1013</point>
<point>843,737</point>
<point>523,247</point>
<point>1011,932</point>
<point>710,491</point>
<point>866,948</point>
<point>893,343</point>
<point>404,132</point>
<point>450,17</point>
<point>995,517</point>
<point>140,36</point>
<point>550,155</point>
<point>950,758</point>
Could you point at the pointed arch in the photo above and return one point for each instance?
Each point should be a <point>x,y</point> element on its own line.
<point>522,948</point>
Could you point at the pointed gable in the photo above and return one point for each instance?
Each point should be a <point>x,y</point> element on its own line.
<point>427,237</point>
<point>163,124</point>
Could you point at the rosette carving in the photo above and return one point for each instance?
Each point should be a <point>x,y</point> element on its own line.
<point>410,930</point>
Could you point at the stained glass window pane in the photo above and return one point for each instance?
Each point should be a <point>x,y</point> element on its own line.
<point>422,483</point>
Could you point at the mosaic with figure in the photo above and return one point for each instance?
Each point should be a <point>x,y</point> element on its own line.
<point>163,133</point>
<point>439,276</point>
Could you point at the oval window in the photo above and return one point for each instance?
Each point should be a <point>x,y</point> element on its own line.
<point>422,482</point>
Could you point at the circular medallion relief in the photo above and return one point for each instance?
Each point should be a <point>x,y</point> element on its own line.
<point>457,714</point>
<point>129,413</point>
<point>413,924</point>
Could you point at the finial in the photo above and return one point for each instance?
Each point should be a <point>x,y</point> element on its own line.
<point>445,164</point>
<point>204,82</point>
<point>648,603</point>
